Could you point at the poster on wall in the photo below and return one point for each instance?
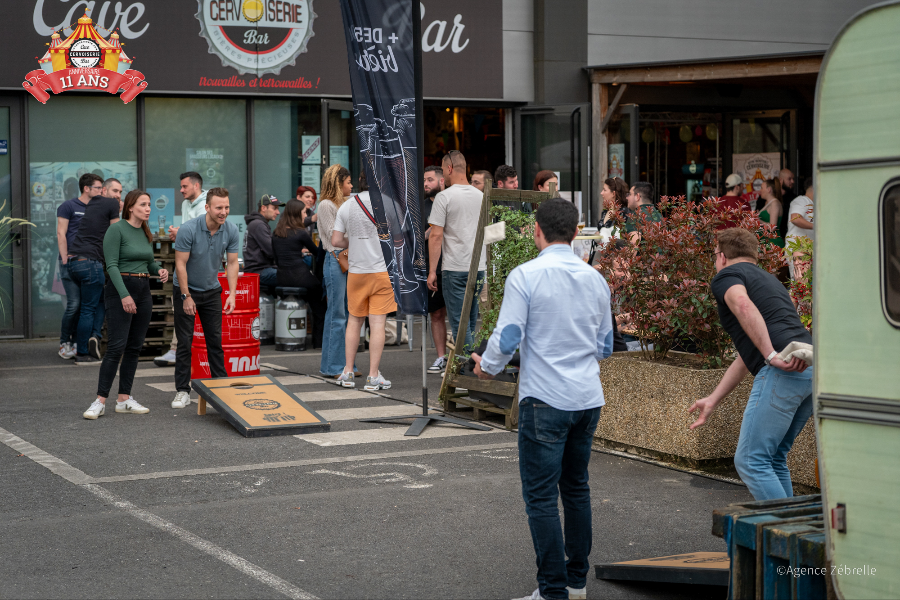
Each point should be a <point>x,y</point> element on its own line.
<point>617,160</point>
<point>755,169</point>
<point>311,161</point>
<point>210,163</point>
<point>162,209</point>
<point>52,183</point>
<point>339,155</point>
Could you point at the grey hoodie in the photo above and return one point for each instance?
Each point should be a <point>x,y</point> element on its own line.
<point>258,253</point>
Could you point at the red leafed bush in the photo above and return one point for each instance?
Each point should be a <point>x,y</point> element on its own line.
<point>663,284</point>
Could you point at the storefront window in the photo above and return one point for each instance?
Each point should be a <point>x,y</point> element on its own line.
<point>309,153</point>
<point>193,134</point>
<point>69,137</point>
<point>274,150</point>
<point>476,132</point>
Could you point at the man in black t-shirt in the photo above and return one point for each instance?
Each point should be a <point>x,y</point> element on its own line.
<point>85,260</point>
<point>756,311</point>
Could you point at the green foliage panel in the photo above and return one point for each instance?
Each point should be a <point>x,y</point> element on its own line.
<point>861,471</point>
<point>858,104</point>
<point>857,350</point>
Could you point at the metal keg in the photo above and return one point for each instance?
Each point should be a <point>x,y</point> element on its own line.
<point>290,320</point>
<point>266,319</point>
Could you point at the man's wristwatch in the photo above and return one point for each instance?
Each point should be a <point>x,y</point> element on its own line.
<point>770,357</point>
<point>186,296</point>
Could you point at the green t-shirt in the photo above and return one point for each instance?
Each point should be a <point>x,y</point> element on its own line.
<point>126,250</point>
<point>653,215</point>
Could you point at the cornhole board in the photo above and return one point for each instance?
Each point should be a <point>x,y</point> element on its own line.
<point>258,406</point>
<point>701,568</point>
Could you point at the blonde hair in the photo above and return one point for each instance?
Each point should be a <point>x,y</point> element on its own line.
<point>331,184</point>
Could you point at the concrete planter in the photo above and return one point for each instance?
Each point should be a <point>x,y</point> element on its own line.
<point>646,413</point>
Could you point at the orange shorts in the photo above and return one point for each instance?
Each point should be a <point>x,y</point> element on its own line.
<point>370,294</point>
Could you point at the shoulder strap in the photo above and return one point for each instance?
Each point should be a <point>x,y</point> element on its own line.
<point>365,210</point>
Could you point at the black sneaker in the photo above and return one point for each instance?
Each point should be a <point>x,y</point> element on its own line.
<point>84,358</point>
<point>94,348</point>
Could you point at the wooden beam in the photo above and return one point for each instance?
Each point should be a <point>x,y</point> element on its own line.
<point>613,107</point>
<point>711,71</point>
<point>599,150</point>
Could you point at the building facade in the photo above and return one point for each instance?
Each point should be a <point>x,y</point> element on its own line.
<point>256,97</point>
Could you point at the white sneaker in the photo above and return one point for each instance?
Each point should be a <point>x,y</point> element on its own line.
<point>66,351</point>
<point>166,360</point>
<point>577,593</point>
<point>131,406</point>
<point>182,400</point>
<point>345,379</point>
<point>438,365</point>
<point>373,384</point>
<point>536,595</point>
<point>96,410</point>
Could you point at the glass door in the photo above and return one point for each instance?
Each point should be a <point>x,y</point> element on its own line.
<point>12,245</point>
<point>556,138</point>
<point>340,142</point>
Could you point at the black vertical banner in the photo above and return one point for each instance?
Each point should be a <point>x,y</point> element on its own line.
<point>384,53</point>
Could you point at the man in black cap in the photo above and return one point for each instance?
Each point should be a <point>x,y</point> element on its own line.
<point>258,255</point>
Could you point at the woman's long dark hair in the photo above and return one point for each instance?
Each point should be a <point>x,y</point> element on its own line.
<point>291,218</point>
<point>620,189</point>
<point>131,199</point>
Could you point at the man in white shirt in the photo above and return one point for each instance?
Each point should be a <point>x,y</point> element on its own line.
<point>800,223</point>
<point>194,205</point>
<point>369,290</point>
<point>454,221</point>
<point>556,311</point>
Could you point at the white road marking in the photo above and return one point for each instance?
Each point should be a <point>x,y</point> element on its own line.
<point>229,558</point>
<point>156,372</point>
<point>168,386</point>
<point>341,394</point>
<point>370,412</point>
<point>386,434</point>
<point>391,477</point>
<point>300,463</point>
<point>297,380</point>
<point>73,475</point>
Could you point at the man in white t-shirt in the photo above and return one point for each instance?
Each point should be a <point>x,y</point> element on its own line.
<point>454,221</point>
<point>369,290</point>
<point>800,223</point>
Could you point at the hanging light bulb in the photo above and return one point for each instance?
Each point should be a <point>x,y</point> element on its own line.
<point>685,134</point>
<point>648,135</point>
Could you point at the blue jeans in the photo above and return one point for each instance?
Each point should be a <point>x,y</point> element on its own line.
<point>88,275</point>
<point>554,452</point>
<point>267,278</point>
<point>780,404</point>
<point>335,318</point>
<point>454,283</point>
<point>73,302</point>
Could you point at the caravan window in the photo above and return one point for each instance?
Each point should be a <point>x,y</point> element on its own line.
<point>890,251</point>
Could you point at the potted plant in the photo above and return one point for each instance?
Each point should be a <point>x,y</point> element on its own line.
<point>661,286</point>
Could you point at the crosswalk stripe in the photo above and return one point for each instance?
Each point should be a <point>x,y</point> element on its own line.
<point>337,394</point>
<point>386,434</point>
<point>369,412</point>
<point>170,372</point>
<point>298,380</point>
<point>168,386</point>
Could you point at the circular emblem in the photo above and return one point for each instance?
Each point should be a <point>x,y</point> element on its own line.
<point>38,189</point>
<point>254,328</point>
<point>84,54</point>
<point>259,38</point>
<point>262,404</point>
<point>161,202</point>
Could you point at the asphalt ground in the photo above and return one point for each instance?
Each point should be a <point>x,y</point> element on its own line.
<point>176,505</point>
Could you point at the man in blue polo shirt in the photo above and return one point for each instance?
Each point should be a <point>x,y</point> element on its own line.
<point>556,312</point>
<point>199,248</point>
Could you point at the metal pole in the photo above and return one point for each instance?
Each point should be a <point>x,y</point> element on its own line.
<point>424,371</point>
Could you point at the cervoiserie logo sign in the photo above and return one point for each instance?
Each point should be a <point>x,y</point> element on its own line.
<point>256,36</point>
<point>85,60</point>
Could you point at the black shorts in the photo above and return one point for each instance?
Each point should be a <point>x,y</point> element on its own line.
<point>436,299</point>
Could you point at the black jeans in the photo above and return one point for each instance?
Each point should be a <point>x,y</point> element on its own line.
<point>126,334</point>
<point>209,309</point>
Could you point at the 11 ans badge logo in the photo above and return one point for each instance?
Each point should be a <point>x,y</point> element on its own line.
<point>256,36</point>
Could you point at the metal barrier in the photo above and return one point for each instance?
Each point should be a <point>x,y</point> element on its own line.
<point>776,547</point>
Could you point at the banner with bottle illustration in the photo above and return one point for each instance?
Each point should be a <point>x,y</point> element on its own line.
<point>755,169</point>
<point>382,55</point>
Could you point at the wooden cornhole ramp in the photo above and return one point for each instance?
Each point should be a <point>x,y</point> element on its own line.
<point>258,406</point>
<point>699,568</point>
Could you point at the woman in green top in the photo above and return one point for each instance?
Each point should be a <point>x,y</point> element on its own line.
<point>770,200</point>
<point>128,252</point>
